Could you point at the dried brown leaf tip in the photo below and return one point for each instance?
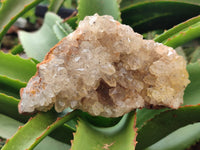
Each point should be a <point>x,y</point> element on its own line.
<point>106,69</point>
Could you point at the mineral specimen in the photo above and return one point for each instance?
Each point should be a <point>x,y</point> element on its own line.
<point>106,69</point>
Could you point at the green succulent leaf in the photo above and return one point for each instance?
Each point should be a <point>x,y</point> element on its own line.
<point>36,129</point>
<point>195,56</point>
<point>100,121</point>
<point>63,133</point>
<point>72,22</point>
<point>55,5</point>
<point>158,127</point>
<point>180,139</point>
<point>37,44</point>
<point>120,136</point>
<point>68,3</point>
<point>181,33</point>
<point>9,126</point>
<point>14,73</point>
<point>144,115</point>
<point>8,106</point>
<point>17,49</point>
<point>10,87</point>
<point>192,92</point>
<point>11,10</point>
<point>30,15</point>
<point>102,7</point>
<point>158,13</point>
<point>35,61</point>
<point>126,3</point>
<point>61,30</point>
<point>15,67</point>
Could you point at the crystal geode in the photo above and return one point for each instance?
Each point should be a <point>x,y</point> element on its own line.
<point>106,69</point>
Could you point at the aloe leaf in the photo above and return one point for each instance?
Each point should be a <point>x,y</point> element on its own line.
<point>64,134</point>
<point>126,3</point>
<point>157,14</point>
<point>35,130</point>
<point>15,67</point>
<point>68,3</point>
<point>8,106</point>
<point>100,121</point>
<point>51,144</point>
<point>158,127</point>
<point>55,5</point>
<point>195,56</point>
<point>18,8</point>
<point>181,33</point>
<point>17,49</point>
<point>167,34</point>
<point>37,44</point>
<point>14,73</point>
<point>11,88</point>
<point>9,126</point>
<point>61,29</point>
<point>30,15</point>
<point>35,61</point>
<point>120,136</point>
<point>72,22</point>
<point>180,139</point>
<point>144,115</point>
<point>192,92</point>
<point>102,7</point>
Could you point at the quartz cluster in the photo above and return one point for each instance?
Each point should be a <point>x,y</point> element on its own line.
<point>106,69</point>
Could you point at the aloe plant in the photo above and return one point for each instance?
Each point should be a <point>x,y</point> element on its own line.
<point>141,129</point>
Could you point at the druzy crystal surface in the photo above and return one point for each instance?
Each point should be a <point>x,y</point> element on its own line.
<point>106,69</point>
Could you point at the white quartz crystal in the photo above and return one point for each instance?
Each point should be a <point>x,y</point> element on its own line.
<point>105,68</point>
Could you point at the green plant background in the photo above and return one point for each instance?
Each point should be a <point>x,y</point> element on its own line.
<point>173,23</point>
